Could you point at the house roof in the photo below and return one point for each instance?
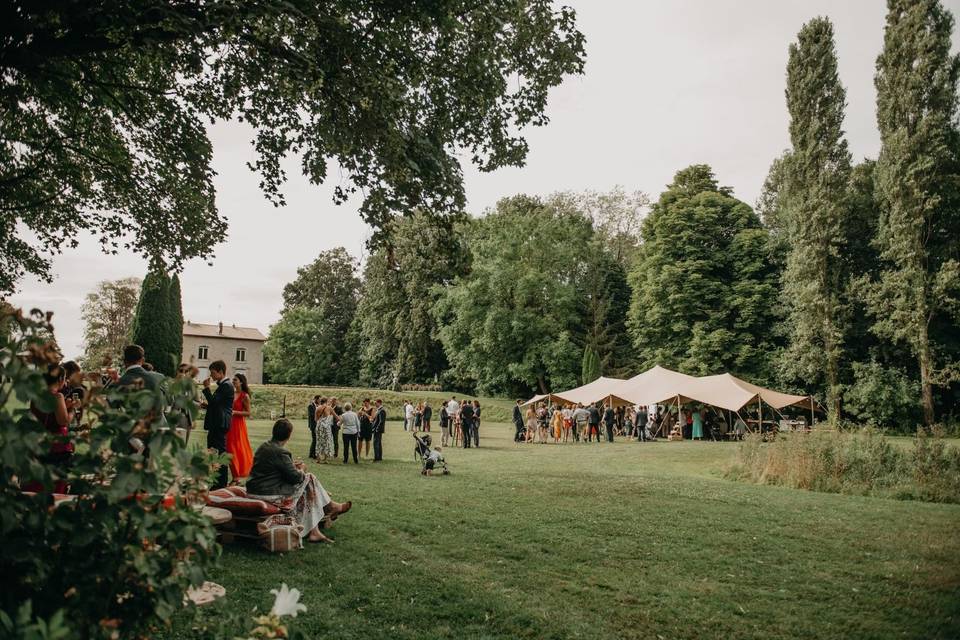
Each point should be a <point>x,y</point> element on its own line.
<point>232,332</point>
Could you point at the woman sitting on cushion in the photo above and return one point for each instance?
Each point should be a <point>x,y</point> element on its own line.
<point>276,476</point>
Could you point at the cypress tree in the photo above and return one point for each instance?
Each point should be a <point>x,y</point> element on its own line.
<point>175,322</point>
<point>590,368</point>
<point>151,321</point>
<point>816,177</point>
<point>917,178</point>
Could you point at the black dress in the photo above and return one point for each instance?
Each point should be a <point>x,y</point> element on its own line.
<point>366,427</point>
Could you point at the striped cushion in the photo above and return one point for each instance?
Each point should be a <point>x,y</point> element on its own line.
<point>236,501</point>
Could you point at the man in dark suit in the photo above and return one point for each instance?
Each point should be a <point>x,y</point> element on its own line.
<point>219,406</point>
<point>312,425</point>
<point>593,423</point>
<point>466,422</point>
<point>379,422</point>
<point>517,422</point>
<point>609,420</point>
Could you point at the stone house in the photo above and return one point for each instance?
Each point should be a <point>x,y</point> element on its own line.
<point>240,347</point>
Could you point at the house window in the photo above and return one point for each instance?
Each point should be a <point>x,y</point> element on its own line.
<point>202,353</point>
<point>241,355</point>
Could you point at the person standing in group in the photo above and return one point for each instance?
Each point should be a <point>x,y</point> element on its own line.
<point>567,415</point>
<point>640,420</point>
<point>453,410</point>
<point>335,426</point>
<point>418,416</point>
<point>350,428</point>
<point>408,412</point>
<point>444,424</point>
<point>531,424</point>
<point>466,423</point>
<point>475,428</point>
<point>379,424</point>
<point>580,419</point>
<point>366,428</point>
<point>609,421</point>
<point>543,423</point>
<point>427,412</point>
<point>593,426</point>
<point>312,425</point>
<point>185,375</point>
<point>56,422</point>
<point>216,422</point>
<point>325,421</point>
<point>697,426</point>
<point>238,444</point>
<point>556,424</point>
<point>517,422</point>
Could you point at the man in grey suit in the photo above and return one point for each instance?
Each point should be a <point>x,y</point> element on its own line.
<point>219,405</point>
<point>134,373</point>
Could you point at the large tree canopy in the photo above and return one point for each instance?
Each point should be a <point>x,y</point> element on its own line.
<point>396,332</point>
<point>104,106</point>
<point>513,322</point>
<point>703,284</point>
<point>308,345</point>
<point>107,314</point>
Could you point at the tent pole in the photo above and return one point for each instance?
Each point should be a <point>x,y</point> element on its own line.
<point>760,414</point>
<point>811,413</point>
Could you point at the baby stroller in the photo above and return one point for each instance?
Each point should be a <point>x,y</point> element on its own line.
<point>429,458</point>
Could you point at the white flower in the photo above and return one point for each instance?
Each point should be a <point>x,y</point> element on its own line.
<point>286,602</point>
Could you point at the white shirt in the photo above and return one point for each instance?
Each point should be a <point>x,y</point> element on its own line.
<point>408,410</point>
<point>453,408</point>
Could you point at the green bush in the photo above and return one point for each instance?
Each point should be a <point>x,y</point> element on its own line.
<point>883,397</point>
<point>114,563</point>
<point>864,463</point>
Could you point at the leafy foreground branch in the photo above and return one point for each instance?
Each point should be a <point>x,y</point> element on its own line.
<point>863,463</point>
<point>114,558</point>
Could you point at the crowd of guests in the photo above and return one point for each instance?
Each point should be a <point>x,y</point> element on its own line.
<point>459,421</point>
<point>332,424</point>
<point>560,423</point>
<point>270,474</point>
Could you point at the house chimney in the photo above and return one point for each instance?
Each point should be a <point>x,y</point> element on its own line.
<point>221,328</point>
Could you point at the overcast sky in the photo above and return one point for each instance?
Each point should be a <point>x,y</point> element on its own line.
<point>668,83</point>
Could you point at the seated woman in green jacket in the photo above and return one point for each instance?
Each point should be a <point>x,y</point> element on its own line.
<point>275,476</point>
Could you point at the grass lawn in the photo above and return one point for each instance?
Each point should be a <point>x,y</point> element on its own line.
<point>601,541</point>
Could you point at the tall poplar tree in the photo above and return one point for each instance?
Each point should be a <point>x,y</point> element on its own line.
<point>918,179</point>
<point>816,178</point>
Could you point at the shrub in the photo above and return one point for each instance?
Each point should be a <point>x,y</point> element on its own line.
<point>883,397</point>
<point>864,463</point>
<point>116,561</point>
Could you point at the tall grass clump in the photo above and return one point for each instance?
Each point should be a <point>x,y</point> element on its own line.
<point>864,463</point>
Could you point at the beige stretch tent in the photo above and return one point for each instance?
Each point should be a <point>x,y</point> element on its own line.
<point>600,390</point>
<point>657,385</point>
<point>730,392</point>
<point>549,397</point>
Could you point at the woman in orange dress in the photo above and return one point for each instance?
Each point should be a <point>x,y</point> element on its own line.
<point>238,444</point>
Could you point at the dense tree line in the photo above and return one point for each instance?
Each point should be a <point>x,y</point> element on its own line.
<point>845,280</point>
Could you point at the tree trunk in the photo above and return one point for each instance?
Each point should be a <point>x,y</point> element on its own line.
<point>926,370</point>
<point>543,384</point>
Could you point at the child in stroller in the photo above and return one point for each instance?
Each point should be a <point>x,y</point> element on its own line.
<point>429,458</point>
